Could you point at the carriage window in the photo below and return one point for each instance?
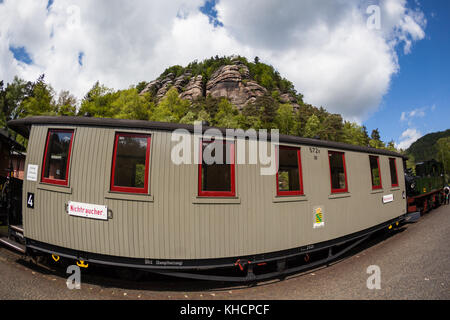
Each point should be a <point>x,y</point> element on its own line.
<point>57,157</point>
<point>393,169</point>
<point>337,172</point>
<point>375,172</point>
<point>289,175</point>
<point>216,169</point>
<point>130,166</point>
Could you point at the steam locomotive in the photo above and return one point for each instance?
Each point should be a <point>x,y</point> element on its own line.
<point>424,188</point>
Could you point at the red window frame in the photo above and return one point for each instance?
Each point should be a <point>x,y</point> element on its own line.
<point>333,190</point>
<point>396,173</point>
<point>147,164</point>
<point>232,193</point>
<point>60,182</point>
<point>300,176</point>
<point>379,172</point>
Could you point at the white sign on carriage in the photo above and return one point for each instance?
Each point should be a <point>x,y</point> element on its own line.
<point>87,210</point>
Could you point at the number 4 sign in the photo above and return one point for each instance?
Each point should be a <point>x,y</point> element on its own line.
<point>30,200</point>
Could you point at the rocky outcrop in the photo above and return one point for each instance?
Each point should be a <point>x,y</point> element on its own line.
<point>194,89</point>
<point>288,98</point>
<point>233,82</point>
<point>160,87</point>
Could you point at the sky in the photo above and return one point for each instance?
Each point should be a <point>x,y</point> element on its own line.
<point>381,63</point>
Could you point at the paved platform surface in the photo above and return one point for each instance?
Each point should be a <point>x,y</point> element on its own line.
<point>414,262</point>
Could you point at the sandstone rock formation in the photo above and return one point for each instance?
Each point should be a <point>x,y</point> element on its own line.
<point>233,82</point>
<point>194,89</point>
<point>230,81</point>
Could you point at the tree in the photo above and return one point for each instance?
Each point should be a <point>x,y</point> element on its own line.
<point>366,136</point>
<point>13,96</point>
<point>391,146</point>
<point>97,102</point>
<point>375,141</point>
<point>331,127</point>
<point>375,134</point>
<point>265,107</point>
<point>443,154</point>
<point>66,104</point>
<point>411,164</point>
<point>41,101</point>
<point>284,119</point>
<point>312,127</point>
<point>352,133</point>
<point>171,108</point>
<point>141,86</point>
<point>128,104</point>
<point>189,118</point>
<point>227,115</point>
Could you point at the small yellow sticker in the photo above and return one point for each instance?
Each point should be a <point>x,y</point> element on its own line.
<point>318,217</point>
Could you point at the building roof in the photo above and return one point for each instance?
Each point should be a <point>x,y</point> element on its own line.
<point>23,127</point>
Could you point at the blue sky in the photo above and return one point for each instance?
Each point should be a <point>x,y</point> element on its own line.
<point>394,77</point>
<point>422,83</point>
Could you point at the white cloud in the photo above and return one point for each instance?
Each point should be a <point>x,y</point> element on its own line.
<point>416,113</point>
<point>407,138</point>
<point>323,47</point>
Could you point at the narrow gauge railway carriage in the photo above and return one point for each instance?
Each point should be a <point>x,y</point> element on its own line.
<point>106,191</point>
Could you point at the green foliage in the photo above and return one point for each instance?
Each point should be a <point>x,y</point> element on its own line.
<point>375,140</point>
<point>375,135</point>
<point>25,98</point>
<point>268,77</point>
<point>97,102</point>
<point>139,177</point>
<point>227,115</point>
<point>312,127</point>
<point>391,146</point>
<point>41,101</point>
<point>376,177</point>
<point>189,118</point>
<point>13,96</point>
<point>411,164</point>
<point>66,105</point>
<point>130,105</point>
<point>265,108</point>
<point>443,154</point>
<point>176,70</point>
<point>435,146</point>
<point>141,86</point>
<point>331,128</point>
<point>352,133</point>
<point>284,119</point>
<point>104,102</point>
<point>171,108</point>
<point>425,148</point>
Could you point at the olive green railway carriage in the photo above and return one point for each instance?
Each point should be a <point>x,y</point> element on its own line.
<point>144,211</point>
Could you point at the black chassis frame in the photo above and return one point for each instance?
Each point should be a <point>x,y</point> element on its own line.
<point>191,268</point>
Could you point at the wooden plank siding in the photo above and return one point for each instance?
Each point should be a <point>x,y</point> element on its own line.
<point>170,224</point>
